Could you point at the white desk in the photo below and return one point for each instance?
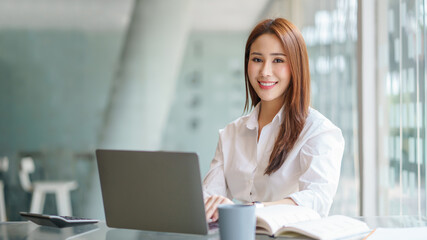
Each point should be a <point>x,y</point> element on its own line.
<point>99,231</point>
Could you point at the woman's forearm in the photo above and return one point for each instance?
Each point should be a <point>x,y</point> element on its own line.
<point>282,201</point>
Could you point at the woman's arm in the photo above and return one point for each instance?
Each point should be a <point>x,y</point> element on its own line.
<point>214,186</point>
<point>288,201</point>
<point>320,160</point>
<point>214,181</point>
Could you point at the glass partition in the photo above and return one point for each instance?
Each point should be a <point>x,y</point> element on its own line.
<point>401,36</point>
<point>330,31</point>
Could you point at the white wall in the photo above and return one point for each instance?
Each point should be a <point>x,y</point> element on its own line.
<point>146,78</point>
<point>145,82</point>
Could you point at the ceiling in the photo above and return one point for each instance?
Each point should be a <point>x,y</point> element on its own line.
<point>208,15</point>
<point>227,15</point>
<point>65,14</point>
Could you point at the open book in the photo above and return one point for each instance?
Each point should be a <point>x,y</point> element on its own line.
<point>283,220</point>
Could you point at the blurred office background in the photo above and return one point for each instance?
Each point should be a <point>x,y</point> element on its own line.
<point>167,75</point>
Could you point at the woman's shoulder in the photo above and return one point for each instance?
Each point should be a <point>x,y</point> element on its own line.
<point>237,123</point>
<point>317,121</point>
<point>248,121</point>
<point>321,133</point>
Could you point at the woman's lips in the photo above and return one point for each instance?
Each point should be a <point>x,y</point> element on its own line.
<point>266,85</point>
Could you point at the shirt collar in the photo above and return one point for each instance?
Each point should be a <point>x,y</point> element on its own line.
<point>252,122</point>
<point>279,115</point>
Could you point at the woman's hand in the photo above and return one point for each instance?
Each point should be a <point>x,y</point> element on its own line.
<point>211,206</point>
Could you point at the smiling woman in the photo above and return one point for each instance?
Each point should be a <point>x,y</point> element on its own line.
<point>281,38</point>
<point>283,152</point>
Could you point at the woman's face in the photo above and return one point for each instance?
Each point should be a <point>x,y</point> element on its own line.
<point>268,68</point>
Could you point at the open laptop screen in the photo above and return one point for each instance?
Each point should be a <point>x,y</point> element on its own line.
<point>156,191</point>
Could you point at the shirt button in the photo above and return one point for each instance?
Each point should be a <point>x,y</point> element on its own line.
<point>250,193</point>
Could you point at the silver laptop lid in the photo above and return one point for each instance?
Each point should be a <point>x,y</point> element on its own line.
<point>155,191</point>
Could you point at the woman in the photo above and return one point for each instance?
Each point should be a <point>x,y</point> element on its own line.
<point>283,152</point>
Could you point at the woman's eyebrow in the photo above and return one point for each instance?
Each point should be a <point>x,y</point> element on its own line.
<point>272,54</point>
<point>278,54</point>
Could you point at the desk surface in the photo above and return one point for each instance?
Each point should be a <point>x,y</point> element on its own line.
<point>99,231</point>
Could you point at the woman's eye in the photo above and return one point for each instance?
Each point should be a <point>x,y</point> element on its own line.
<point>256,60</point>
<point>278,60</point>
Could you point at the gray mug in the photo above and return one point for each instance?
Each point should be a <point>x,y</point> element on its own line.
<point>237,222</point>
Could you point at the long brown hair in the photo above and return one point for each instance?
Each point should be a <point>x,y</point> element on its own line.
<point>296,96</point>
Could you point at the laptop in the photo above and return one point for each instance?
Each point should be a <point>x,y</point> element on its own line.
<point>154,191</point>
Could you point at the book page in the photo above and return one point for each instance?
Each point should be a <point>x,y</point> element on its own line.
<point>278,216</point>
<point>414,233</point>
<point>332,227</point>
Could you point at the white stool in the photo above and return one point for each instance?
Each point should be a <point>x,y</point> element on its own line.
<point>4,165</point>
<point>61,189</point>
<point>2,204</point>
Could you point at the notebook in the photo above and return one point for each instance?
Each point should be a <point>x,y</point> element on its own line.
<point>154,191</point>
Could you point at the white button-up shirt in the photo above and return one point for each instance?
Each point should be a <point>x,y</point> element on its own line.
<point>309,175</point>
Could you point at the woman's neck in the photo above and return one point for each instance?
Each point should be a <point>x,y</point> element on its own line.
<point>268,111</point>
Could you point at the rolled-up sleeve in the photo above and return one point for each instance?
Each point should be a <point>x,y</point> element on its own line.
<point>214,182</point>
<point>320,160</point>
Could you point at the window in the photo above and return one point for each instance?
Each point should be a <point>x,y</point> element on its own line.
<point>330,32</point>
<point>401,36</point>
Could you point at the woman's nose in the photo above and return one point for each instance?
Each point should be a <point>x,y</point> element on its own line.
<point>266,69</point>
